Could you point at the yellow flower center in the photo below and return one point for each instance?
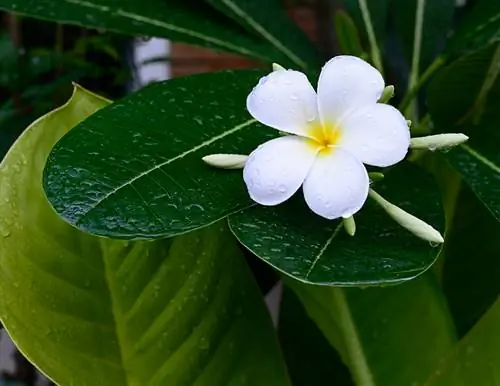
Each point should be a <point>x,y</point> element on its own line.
<point>325,136</point>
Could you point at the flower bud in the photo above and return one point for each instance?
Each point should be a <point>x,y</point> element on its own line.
<point>438,141</point>
<point>375,176</point>
<point>226,161</point>
<point>387,94</point>
<point>416,226</point>
<point>277,67</point>
<point>350,225</point>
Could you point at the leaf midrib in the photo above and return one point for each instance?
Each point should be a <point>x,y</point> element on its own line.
<point>171,27</point>
<point>265,33</point>
<point>164,163</point>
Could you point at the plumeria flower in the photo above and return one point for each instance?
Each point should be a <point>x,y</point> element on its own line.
<point>334,131</point>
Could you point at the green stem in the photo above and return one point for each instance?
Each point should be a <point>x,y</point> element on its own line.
<point>360,369</point>
<point>411,110</point>
<point>375,52</point>
<point>413,91</point>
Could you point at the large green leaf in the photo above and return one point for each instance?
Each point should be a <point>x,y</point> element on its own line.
<point>268,21</point>
<point>465,94</point>
<point>314,250</point>
<point>134,169</point>
<point>389,336</point>
<point>189,21</point>
<point>481,25</point>
<point>471,270</point>
<point>476,358</point>
<point>479,165</point>
<point>436,21</point>
<point>92,311</point>
<point>310,358</point>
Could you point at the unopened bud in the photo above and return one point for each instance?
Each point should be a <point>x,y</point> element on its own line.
<point>226,161</point>
<point>375,176</point>
<point>387,94</point>
<point>438,141</point>
<point>350,225</point>
<point>416,226</point>
<point>277,67</point>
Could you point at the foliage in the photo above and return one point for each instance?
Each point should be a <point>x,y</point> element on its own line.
<point>166,297</point>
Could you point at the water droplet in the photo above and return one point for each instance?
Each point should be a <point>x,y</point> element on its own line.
<point>434,244</point>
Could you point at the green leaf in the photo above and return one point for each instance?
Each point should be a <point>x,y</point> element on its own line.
<point>347,35</point>
<point>480,26</point>
<point>475,360</point>
<point>92,311</point>
<point>379,11</point>
<point>464,94</point>
<point>267,20</point>
<point>389,336</point>
<point>471,270</point>
<point>183,20</point>
<point>478,162</point>
<point>134,169</point>
<point>314,250</point>
<point>310,358</point>
<point>437,18</point>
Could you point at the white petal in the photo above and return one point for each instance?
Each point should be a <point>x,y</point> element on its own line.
<point>284,100</point>
<point>277,169</point>
<point>345,83</point>
<point>337,185</point>
<point>377,135</point>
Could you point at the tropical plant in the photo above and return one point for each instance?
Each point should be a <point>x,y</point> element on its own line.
<point>122,257</point>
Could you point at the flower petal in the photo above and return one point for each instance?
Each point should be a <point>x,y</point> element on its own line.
<point>276,169</point>
<point>377,135</point>
<point>337,184</point>
<point>284,100</point>
<point>345,83</point>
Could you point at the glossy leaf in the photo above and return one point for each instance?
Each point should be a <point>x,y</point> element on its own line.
<point>471,270</point>
<point>310,358</point>
<point>314,250</point>
<point>134,170</point>
<point>437,18</point>
<point>379,11</point>
<point>464,94</point>
<point>388,336</point>
<point>480,26</point>
<point>475,360</point>
<point>92,311</point>
<point>267,20</point>
<point>478,162</point>
<point>347,35</point>
<point>188,21</point>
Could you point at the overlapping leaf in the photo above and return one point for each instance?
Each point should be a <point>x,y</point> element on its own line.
<point>311,249</point>
<point>475,359</point>
<point>92,311</point>
<point>190,21</point>
<point>389,336</point>
<point>134,169</point>
<point>267,20</point>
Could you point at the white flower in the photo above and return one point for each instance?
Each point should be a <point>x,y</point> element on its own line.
<point>335,130</point>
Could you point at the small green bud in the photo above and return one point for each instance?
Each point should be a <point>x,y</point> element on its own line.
<point>226,161</point>
<point>408,122</point>
<point>416,226</point>
<point>438,141</point>
<point>277,67</point>
<point>376,176</point>
<point>350,225</point>
<point>387,94</point>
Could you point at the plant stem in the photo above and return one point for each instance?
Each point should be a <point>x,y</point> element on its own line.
<point>411,111</point>
<point>360,369</point>
<point>413,91</point>
<point>375,52</point>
